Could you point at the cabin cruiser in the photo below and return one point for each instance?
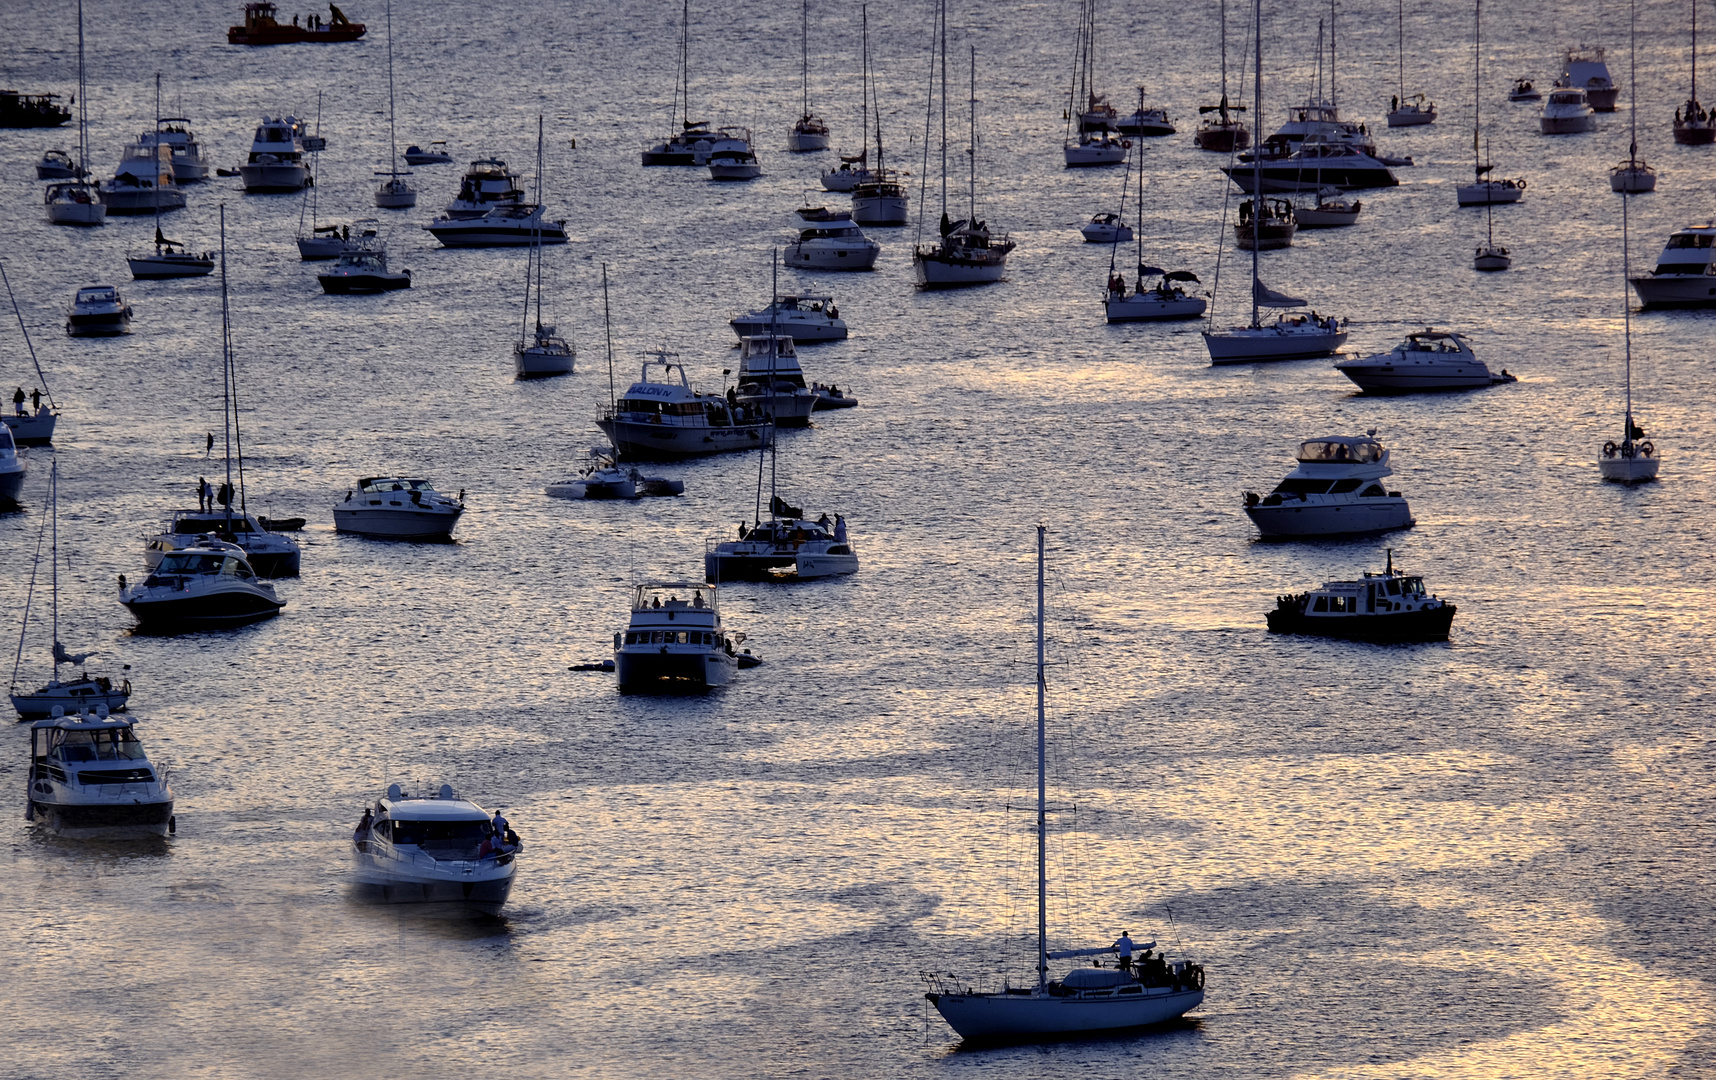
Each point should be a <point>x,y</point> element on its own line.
<point>1292,336</point>
<point>605,478</point>
<point>1584,69</point>
<point>487,184</point>
<point>276,160</point>
<point>1161,301</point>
<point>790,541</point>
<point>269,553</point>
<point>1321,122</point>
<point>12,469</point>
<point>441,854</point>
<point>832,242</point>
<point>31,427</point>
<point>1313,165</point>
<point>1566,113</point>
<point>968,254</point>
<point>58,165</point>
<point>1390,606</point>
<point>207,586</point>
<point>803,318</point>
<point>770,382</point>
<point>398,508</point>
<point>1273,232</point>
<point>362,268</point>
<point>508,225</point>
<point>89,778</point>
<point>675,637</point>
<point>435,155</point>
<point>669,420</point>
<point>98,311</point>
<point>731,157</point>
<point>1106,229</point>
<point>879,199</point>
<point>143,182</point>
<point>189,164</point>
<point>683,148</point>
<point>1094,149</point>
<point>1524,91</point>
<point>1683,276</point>
<point>1430,360</point>
<point>1146,122</point>
<point>1336,490</point>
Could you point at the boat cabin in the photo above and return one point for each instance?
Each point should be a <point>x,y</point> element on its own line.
<point>215,558</point>
<point>1341,450</point>
<point>1566,98</point>
<point>766,359</point>
<point>1433,341</point>
<point>669,402</point>
<point>96,296</point>
<point>675,613</point>
<point>274,140</point>
<point>1688,251</point>
<point>441,826</point>
<point>87,750</point>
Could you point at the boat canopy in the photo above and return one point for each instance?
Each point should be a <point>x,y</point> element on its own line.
<point>1342,449</point>
<point>374,484</point>
<point>673,595</point>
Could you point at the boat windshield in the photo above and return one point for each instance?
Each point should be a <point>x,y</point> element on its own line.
<point>112,744</point>
<point>1691,240</point>
<point>1340,450</point>
<point>96,296</point>
<point>391,483</point>
<point>447,839</point>
<point>674,597</point>
<point>180,563</point>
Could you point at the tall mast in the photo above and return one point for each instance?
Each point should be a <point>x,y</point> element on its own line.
<point>941,16</point>
<point>1256,161</point>
<point>536,233</point>
<point>1633,88</point>
<point>1042,794</point>
<point>1626,196</point>
<point>1477,83</point>
<point>1334,99</point>
<point>972,219</point>
<point>392,144</point>
<point>1224,53</point>
<point>226,366</point>
<point>82,102</point>
<point>875,103</point>
<point>608,329</point>
<point>864,84</point>
<point>685,64</point>
<point>156,148</point>
<point>1400,45</point>
<point>1694,50</point>
<point>804,59</point>
<point>54,495</point>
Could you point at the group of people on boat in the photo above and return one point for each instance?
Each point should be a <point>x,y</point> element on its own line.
<point>19,397</point>
<point>1692,111</point>
<point>676,602</point>
<point>208,496</point>
<point>500,840</point>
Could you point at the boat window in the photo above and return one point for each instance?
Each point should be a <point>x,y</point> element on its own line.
<point>1373,492</point>
<point>1322,604</point>
<point>1295,485</point>
<point>643,405</point>
<point>446,838</point>
<point>1691,240</point>
<point>1394,586</point>
<point>684,637</point>
<point>631,638</point>
<point>1343,487</point>
<point>190,564</point>
<point>1333,450</point>
<point>1413,585</point>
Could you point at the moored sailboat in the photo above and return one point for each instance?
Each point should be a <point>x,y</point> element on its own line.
<point>1693,123</point>
<point>1634,459</point>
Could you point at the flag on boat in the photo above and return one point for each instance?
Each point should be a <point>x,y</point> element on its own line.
<point>1267,297</point>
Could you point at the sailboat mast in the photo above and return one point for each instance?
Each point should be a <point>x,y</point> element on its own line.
<point>1224,52</point>
<point>157,150</point>
<point>1256,162</point>
<point>1400,45</point>
<point>864,87</point>
<point>1694,50</point>
<point>228,419</point>
<point>54,496</point>
<point>82,102</point>
<point>941,16</point>
<point>972,219</point>
<point>1042,793</point>
<point>536,232</point>
<point>1334,99</point>
<point>608,329</point>
<point>685,64</point>
<point>392,143</point>
<point>1626,197</point>
<point>804,59</point>
<point>1633,86</point>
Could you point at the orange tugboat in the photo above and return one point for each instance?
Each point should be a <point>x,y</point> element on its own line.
<point>262,28</point>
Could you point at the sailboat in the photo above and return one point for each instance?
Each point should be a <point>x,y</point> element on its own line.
<point>854,170</point>
<point>681,147</point>
<point>1290,337</point>
<point>170,259</point>
<point>1224,132</point>
<point>1089,116</point>
<point>84,691</point>
<point>1634,459</point>
<point>1086,1000</point>
<point>393,193</point>
<point>1166,299</point>
<point>322,241</point>
<point>1484,190</point>
<point>548,354</point>
<point>1693,124</point>
<point>879,198</point>
<point>30,428</point>
<point>1404,111</point>
<point>78,202</point>
<point>969,253</point>
<point>809,132</point>
<point>1490,255</point>
<point>1633,176</point>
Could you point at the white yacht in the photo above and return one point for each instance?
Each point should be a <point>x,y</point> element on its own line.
<point>831,241</point>
<point>1165,299</point>
<point>1310,166</point>
<point>12,468</point>
<point>545,354</point>
<point>440,854</point>
<point>605,478</point>
<point>968,254</point>
<point>508,225</point>
<point>803,318</point>
<point>143,183</point>
<point>204,587</point>
<point>808,548</point>
<point>90,779</point>
<point>675,638</point>
<point>436,154</point>
<point>269,553</point>
<point>1321,122</point>
<point>189,164</point>
<point>1429,360</point>
<point>98,311</point>
<point>1336,490</point>
<point>398,508</point>
<point>1584,69</point>
<point>1106,229</point>
<point>731,157</point>
<point>361,267</point>
<point>771,383</point>
<point>276,161</point>
<point>880,199</point>
<point>668,420</point>
<point>487,184</point>
<point>1684,276</point>
<point>1566,112</point>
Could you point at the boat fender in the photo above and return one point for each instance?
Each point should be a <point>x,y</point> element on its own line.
<point>1126,144</point>
<point>1522,183</point>
<point>172,823</point>
<point>1608,449</point>
<point>1646,449</point>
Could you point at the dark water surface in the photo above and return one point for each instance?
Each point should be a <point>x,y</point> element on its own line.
<point>1489,858</point>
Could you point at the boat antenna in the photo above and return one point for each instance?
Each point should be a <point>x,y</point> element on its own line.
<point>1257,163</point>
<point>1042,793</point>
<point>608,329</point>
<point>25,331</point>
<point>30,594</point>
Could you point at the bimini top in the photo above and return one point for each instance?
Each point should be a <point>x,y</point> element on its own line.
<point>375,484</point>
<point>443,806</point>
<point>1433,341</point>
<point>673,596</point>
<point>1341,450</point>
<point>101,721</point>
<point>98,294</point>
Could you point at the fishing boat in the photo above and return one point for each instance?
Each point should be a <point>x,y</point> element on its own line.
<point>392,193</point>
<point>1634,458</point>
<point>666,420</point>
<point>675,639</point>
<point>1335,489</point>
<point>89,778</point>
<point>808,131</point>
<point>1632,176</point>
<point>1093,1000</point>
<point>261,27</point>
<point>1390,607</point>
<point>361,267</point>
<point>547,353</point>
<point>437,855</point>
<point>1693,123</point>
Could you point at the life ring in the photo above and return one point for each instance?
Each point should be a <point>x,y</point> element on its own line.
<point>1521,183</point>
<point>1608,449</point>
<point>1126,144</point>
<point>1646,449</point>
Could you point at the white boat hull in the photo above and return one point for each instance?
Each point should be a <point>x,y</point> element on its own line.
<point>821,564</point>
<point>1493,193</point>
<point>879,210</point>
<point>937,272</point>
<point>69,697</point>
<point>1411,116</point>
<point>1491,260</point>
<point>671,442</point>
<point>532,363</point>
<point>77,213</point>
<point>1632,181</point>
<point>1011,1017</point>
<point>279,177</point>
<point>158,267</point>
<point>1106,234</point>
<point>799,143</point>
<point>1628,470</point>
<point>145,814</point>
<point>843,181</point>
<point>1295,518</point>
<point>395,523</point>
<point>743,171</point>
<point>474,232</point>
<point>395,200</point>
<point>1085,157</point>
<point>1676,290</point>
<point>435,887</point>
<point>315,248</point>
<point>798,328</point>
<point>1566,125</point>
<point>1312,217</point>
<point>1381,376</point>
<point>1244,345</point>
<point>820,255</point>
<point>1148,308</point>
<point>32,429</point>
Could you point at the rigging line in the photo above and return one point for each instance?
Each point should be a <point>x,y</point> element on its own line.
<point>23,330</point>
<point>1227,190</point>
<point>29,595</point>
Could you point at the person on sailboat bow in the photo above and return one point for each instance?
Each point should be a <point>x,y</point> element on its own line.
<point>1123,945</point>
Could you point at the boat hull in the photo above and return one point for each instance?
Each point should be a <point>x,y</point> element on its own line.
<point>875,210</point>
<point>1090,157</point>
<point>799,142</point>
<point>32,429</point>
<point>944,272</point>
<point>1246,346</point>
<point>1389,378</point>
<point>77,213</point>
<point>386,523</point>
<point>1695,133</point>
<point>316,249</point>
<point>294,35</point>
<point>841,181</point>
<point>1295,519</point>
<point>1676,290</point>
<point>813,256</point>
<point>102,820</point>
<point>11,486</point>
<point>1495,259</point>
<point>472,233</point>
<point>1488,194</point>
<point>462,889</point>
<point>150,268</point>
<point>994,1018</point>
<point>743,171</point>
<point>1395,626</point>
<point>1222,139</point>
<point>263,179</point>
<point>123,201</point>
<point>1316,217</point>
<point>1566,125</point>
<point>530,363</point>
<point>164,609</point>
<point>660,667</point>
<point>1411,117</point>
<point>1147,308</point>
<point>341,284</point>
<point>69,697</point>
<point>1632,181</point>
<point>800,330</point>
<point>1621,469</point>
<point>670,442</point>
<point>102,325</point>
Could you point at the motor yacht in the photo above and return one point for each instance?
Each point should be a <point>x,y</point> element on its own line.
<point>804,318</point>
<point>833,242</point>
<point>668,420</point>
<point>143,183</point>
<point>1093,149</point>
<point>436,154</point>
<point>1273,232</point>
<point>1320,121</point>
<point>189,164</point>
<point>1584,69</point>
<point>276,161</point>
<point>362,268</point>
<point>1386,607</point>
<point>1329,212</point>
<point>90,779</point>
<point>1684,276</point>
<point>510,225</point>
<point>770,382</point>
<point>1292,336</point>
<point>807,548</point>
<point>968,254</point>
<point>605,478</point>
<point>1425,361</point>
<point>58,165</point>
<point>170,260</point>
<point>270,554</point>
<point>1412,112</point>
<point>12,469</point>
<point>1106,229</point>
<point>205,587</point>
<point>439,854</point>
<point>1311,166</point>
<point>675,638</point>
<point>98,311</point>
<point>1335,490</point>
<point>1165,299</point>
<point>1524,91</point>
<point>1149,123</point>
<point>1566,113</point>
<point>880,199</point>
<point>398,508</point>
<point>845,177</point>
<point>486,185</point>
<point>731,158</point>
